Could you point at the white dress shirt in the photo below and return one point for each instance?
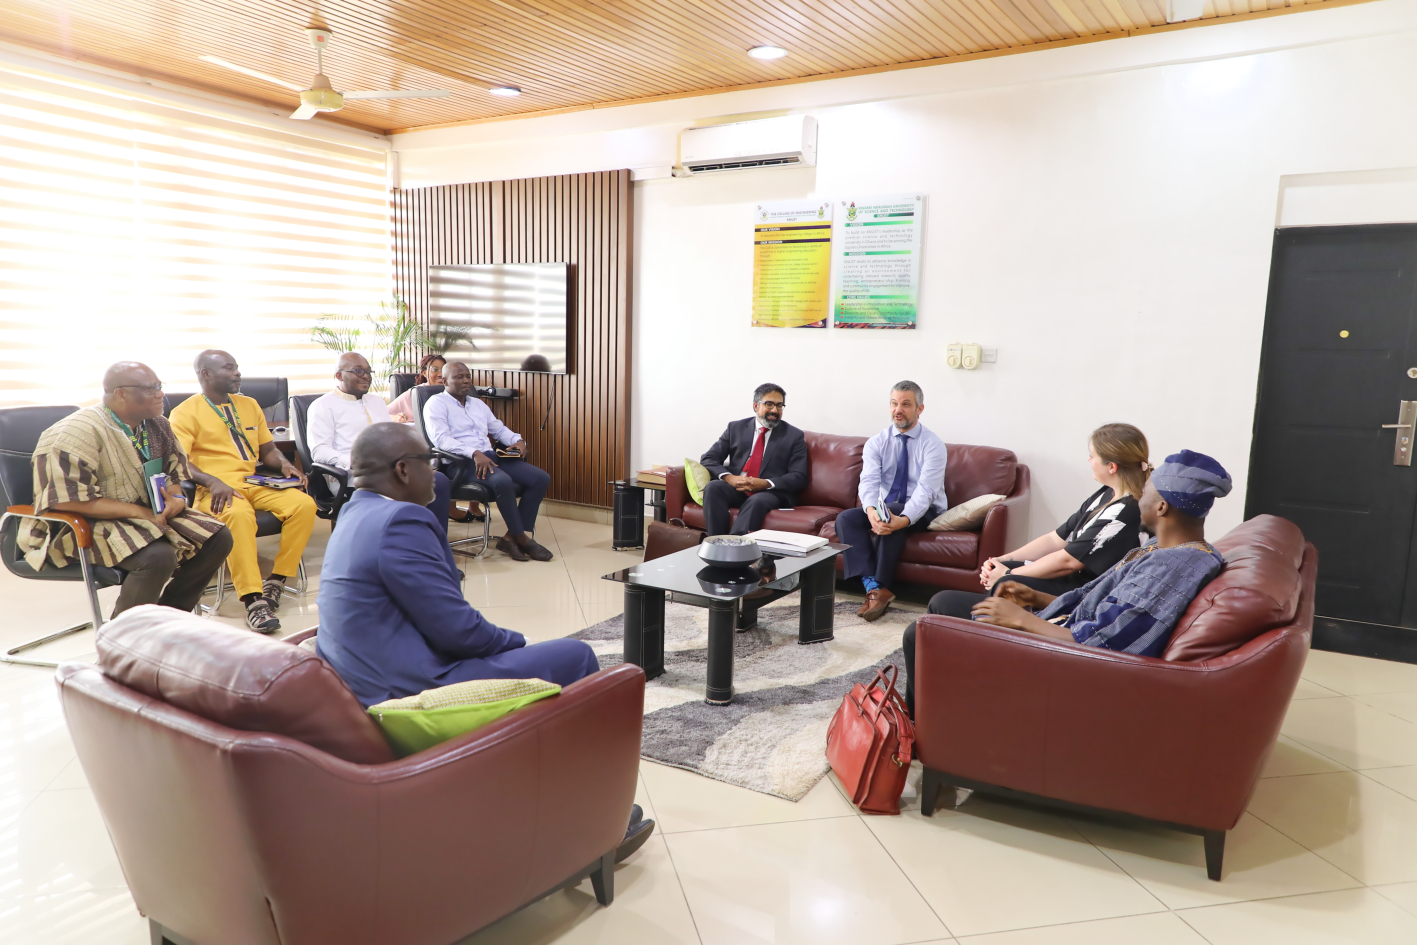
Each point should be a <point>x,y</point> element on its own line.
<point>925,474</point>
<point>464,428</point>
<point>336,419</point>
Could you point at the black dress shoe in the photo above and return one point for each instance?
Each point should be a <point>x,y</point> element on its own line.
<point>536,551</point>
<point>511,549</point>
<point>635,837</point>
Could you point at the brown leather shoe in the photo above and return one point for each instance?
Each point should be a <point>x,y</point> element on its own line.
<point>877,602</point>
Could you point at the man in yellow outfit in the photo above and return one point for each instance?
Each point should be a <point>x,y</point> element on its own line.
<point>225,435</point>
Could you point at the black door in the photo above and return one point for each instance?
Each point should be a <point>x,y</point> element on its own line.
<point>1338,346</point>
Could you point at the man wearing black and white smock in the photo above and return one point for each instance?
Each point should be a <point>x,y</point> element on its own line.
<point>462,424</point>
<point>902,469</point>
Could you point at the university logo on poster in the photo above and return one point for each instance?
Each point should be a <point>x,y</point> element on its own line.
<point>877,257</point>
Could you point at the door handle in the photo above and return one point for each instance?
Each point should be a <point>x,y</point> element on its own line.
<point>1406,422</point>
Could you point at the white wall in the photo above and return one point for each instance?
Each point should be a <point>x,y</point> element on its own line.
<point>1101,214</point>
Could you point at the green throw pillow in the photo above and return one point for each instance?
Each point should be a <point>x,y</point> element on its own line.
<point>436,715</point>
<point>695,478</point>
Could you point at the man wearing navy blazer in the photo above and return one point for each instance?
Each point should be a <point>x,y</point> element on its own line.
<point>759,464</point>
<point>393,620</point>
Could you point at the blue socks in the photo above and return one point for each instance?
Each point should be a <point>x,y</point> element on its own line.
<point>870,583</point>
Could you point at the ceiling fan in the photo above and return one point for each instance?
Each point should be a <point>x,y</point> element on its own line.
<point>321,96</point>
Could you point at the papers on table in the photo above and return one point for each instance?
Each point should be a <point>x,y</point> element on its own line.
<point>786,543</point>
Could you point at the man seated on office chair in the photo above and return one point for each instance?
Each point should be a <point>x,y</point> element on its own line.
<point>460,423</point>
<point>758,464</point>
<point>337,417</point>
<point>1133,606</point>
<point>225,434</point>
<point>393,620</point>
<point>902,489</point>
<point>97,462</point>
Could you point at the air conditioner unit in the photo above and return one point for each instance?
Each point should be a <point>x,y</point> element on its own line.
<point>789,141</point>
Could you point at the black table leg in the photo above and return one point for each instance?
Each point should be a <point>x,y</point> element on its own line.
<point>747,615</point>
<point>817,615</point>
<point>720,652</point>
<point>644,629</point>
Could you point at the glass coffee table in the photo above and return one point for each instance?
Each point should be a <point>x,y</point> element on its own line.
<point>725,592</point>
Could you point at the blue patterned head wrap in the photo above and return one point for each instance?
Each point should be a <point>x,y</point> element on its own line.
<point>1191,482</point>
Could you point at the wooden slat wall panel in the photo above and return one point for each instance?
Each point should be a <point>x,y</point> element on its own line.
<point>582,219</point>
<point>564,54</point>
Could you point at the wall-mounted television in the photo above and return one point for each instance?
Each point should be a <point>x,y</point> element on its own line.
<point>517,314</point>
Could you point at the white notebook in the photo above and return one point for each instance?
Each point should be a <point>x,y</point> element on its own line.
<point>804,543</point>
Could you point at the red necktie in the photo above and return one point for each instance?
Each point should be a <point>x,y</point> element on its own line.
<point>754,465</point>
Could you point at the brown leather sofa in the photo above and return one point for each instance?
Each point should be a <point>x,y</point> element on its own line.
<point>1179,739</point>
<point>939,559</point>
<point>252,801</point>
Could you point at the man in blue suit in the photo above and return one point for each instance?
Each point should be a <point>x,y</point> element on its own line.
<point>393,620</point>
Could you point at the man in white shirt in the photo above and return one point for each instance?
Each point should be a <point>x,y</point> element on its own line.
<point>463,425</point>
<point>902,490</point>
<point>336,418</point>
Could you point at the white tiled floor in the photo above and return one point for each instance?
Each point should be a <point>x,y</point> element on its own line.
<point>1326,854</point>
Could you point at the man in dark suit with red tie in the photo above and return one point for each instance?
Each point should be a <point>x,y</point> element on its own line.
<point>759,464</point>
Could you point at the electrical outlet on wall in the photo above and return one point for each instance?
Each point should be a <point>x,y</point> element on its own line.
<point>970,356</point>
<point>953,355</point>
<point>991,355</point>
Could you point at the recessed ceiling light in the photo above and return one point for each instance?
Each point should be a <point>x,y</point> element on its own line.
<point>506,91</point>
<point>767,52</point>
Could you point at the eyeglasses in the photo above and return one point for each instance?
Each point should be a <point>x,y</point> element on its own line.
<point>429,457</point>
<point>150,388</point>
<point>773,403</point>
<point>358,372</point>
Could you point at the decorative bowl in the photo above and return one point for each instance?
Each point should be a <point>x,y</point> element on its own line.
<point>729,551</point>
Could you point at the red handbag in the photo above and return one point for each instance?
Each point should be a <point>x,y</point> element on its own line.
<point>869,742</point>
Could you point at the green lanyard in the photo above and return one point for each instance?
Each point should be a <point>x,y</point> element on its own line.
<point>138,439</point>
<point>234,429</point>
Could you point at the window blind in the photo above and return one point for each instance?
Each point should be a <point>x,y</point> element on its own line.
<point>138,230</point>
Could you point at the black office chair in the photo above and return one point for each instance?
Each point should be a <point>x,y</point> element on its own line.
<point>400,382</point>
<point>171,400</point>
<point>272,393</point>
<point>470,491</point>
<point>20,429</point>
<point>328,501</point>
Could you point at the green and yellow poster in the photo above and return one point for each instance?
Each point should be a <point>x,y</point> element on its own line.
<point>792,264</point>
<point>878,262</point>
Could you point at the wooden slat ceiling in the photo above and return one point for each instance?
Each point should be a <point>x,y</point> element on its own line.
<point>564,54</point>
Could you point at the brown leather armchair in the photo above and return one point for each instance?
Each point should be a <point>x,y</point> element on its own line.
<point>252,801</point>
<point>1179,739</point>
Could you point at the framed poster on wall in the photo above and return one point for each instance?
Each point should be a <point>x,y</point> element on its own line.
<point>877,261</point>
<point>792,264</point>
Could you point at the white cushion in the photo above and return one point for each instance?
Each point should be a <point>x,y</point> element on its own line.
<point>966,516</point>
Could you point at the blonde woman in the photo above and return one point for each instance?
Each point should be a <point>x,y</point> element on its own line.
<point>1099,534</point>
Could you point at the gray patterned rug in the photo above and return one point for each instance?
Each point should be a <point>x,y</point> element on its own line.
<point>773,737</point>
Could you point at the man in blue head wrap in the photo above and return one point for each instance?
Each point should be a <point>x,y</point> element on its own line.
<point>1133,607</point>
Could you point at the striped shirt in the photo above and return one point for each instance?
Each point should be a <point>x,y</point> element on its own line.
<point>86,456</point>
